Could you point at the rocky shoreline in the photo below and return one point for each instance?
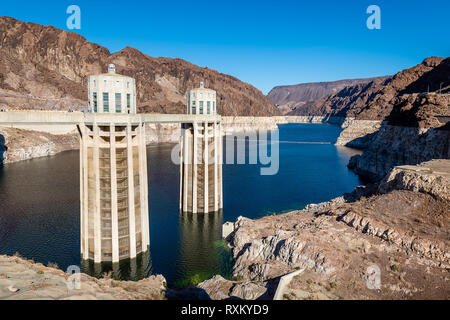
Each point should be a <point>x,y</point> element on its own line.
<point>22,279</point>
<point>21,144</point>
<point>392,146</point>
<point>399,227</point>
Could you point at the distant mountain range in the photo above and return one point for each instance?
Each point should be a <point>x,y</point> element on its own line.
<point>290,97</point>
<point>42,67</point>
<point>375,100</point>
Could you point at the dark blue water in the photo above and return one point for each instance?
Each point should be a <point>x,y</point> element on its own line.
<point>39,203</point>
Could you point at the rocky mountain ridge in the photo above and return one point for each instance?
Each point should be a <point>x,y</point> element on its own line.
<point>375,100</point>
<point>42,67</point>
<point>291,97</point>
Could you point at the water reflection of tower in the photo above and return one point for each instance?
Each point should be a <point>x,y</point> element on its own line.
<point>127,269</point>
<point>200,237</point>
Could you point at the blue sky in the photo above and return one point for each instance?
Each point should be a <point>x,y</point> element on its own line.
<point>265,43</point>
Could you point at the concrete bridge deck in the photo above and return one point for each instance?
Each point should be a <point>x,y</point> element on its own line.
<point>67,118</point>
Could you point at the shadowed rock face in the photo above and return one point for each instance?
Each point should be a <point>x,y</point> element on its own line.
<point>375,100</point>
<point>42,67</point>
<point>3,148</point>
<point>419,110</point>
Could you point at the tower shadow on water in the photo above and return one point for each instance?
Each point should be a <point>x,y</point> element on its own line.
<point>3,149</point>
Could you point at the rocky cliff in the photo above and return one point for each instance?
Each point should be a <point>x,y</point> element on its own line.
<point>397,145</point>
<point>42,67</point>
<point>384,241</point>
<point>413,133</point>
<point>375,100</point>
<point>392,120</point>
<point>19,144</point>
<point>357,134</point>
<point>292,97</point>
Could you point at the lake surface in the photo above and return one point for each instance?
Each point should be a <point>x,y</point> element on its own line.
<point>39,205</point>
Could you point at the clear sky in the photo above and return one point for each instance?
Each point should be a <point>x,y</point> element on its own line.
<point>265,43</point>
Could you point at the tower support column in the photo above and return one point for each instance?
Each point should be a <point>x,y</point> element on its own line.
<point>206,168</point>
<point>130,182</point>
<point>195,169</point>
<point>97,194</point>
<point>143,188</point>
<point>216,168</point>
<point>114,215</point>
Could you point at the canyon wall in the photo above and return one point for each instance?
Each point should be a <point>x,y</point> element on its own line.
<point>375,100</point>
<point>413,132</point>
<point>357,133</point>
<point>20,144</point>
<point>393,146</point>
<point>290,97</point>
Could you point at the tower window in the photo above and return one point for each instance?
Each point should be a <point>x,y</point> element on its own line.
<point>208,107</point>
<point>94,100</point>
<point>128,101</point>
<point>105,102</point>
<point>118,103</point>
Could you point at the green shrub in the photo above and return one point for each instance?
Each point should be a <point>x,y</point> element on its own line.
<point>395,268</point>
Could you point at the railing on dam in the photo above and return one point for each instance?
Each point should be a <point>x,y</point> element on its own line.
<point>58,117</point>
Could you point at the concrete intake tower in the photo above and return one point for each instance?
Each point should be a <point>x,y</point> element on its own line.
<point>113,172</point>
<point>201,155</point>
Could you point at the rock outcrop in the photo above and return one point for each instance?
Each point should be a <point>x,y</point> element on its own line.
<point>19,144</point>
<point>357,133</point>
<point>398,229</point>
<point>42,67</point>
<point>22,279</point>
<point>392,146</point>
<point>218,288</point>
<point>232,125</point>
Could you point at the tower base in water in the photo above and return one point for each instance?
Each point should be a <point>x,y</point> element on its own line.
<point>201,167</point>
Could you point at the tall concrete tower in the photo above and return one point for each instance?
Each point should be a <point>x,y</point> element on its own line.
<point>201,154</point>
<point>113,172</point>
